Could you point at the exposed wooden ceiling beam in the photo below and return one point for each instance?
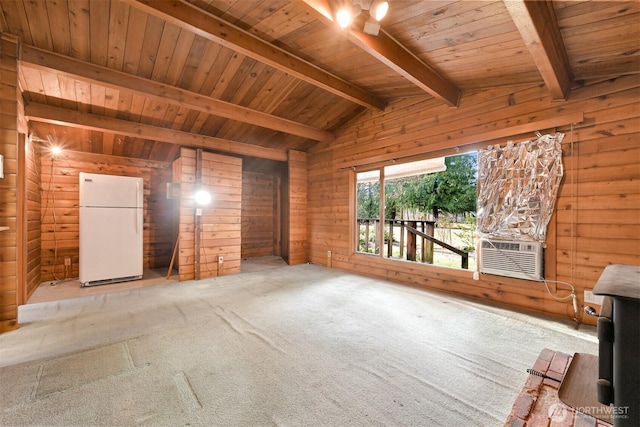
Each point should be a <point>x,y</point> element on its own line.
<point>394,55</point>
<point>60,116</point>
<point>40,59</point>
<point>113,160</point>
<point>209,26</point>
<point>538,26</point>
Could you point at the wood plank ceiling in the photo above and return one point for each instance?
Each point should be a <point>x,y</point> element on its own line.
<point>138,78</point>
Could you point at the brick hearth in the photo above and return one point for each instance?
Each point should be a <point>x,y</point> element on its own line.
<point>538,404</point>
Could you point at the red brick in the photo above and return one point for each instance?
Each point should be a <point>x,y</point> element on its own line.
<point>583,420</point>
<point>541,365</point>
<point>514,422</point>
<point>533,384</point>
<point>565,423</point>
<point>559,363</point>
<point>552,382</point>
<point>523,405</point>
<point>547,354</point>
<point>538,420</point>
<point>562,416</point>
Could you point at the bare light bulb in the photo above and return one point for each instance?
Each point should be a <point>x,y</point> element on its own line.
<point>202,197</point>
<point>56,150</point>
<point>344,18</point>
<point>379,9</point>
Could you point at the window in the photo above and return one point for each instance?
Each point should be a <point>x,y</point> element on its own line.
<point>422,211</point>
<point>368,211</point>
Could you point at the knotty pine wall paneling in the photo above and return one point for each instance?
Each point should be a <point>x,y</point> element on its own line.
<point>30,230</point>
<point>176,226</point>
<point>259,210</point>
<point>162,213</point>
<point>29,186</point>
<point>298,247</point>
<point>34,211</point>
<point>597,211</point>
<point>60,208</point>
<point>221,220</point>
<point>9,95</point>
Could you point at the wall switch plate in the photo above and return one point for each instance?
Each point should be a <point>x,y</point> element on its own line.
<point>328,254</point>
<point>67,261</point>
<point>220,260</point>
<point>591,298</point>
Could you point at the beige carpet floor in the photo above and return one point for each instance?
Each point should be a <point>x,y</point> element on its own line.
<point>289,346</point>
<point>70,288</point>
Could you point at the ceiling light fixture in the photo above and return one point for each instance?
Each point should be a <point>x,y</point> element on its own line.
<point>377,10</point>
<point>371,27</point>
<point>346,14</point>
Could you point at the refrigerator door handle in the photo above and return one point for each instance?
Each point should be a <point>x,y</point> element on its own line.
<point>137,207</point>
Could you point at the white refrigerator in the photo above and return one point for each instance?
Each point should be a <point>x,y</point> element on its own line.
<point>110,229</point>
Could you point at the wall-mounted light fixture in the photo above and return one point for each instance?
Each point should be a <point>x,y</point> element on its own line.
<point>202,197</point>
<point>54,148</point>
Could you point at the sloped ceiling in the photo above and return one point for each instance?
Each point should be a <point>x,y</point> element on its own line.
<point>140,78</point>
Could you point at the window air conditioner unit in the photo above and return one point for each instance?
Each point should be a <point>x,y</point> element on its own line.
<point>522,260</point>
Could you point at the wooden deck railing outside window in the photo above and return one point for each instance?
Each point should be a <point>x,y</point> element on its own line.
<point>415,240</point>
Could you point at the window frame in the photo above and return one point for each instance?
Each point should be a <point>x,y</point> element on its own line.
<point>354,226</point>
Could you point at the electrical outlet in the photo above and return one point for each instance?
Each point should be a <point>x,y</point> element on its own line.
<point>328,254</point>
<point>67,261</point>
<point>220,260</point>
<point>591,298</point>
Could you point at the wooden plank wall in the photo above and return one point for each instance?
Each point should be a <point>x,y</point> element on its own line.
<point>258,214</point>
<point>298,246</point>
<point>159,237</point>
<point>8,185</point>
<point>60,208</point>
<point>33,226</point>
<point>596,220</point>
<point>221,220</point>
<point>29,229</point>
<point>176,179</point>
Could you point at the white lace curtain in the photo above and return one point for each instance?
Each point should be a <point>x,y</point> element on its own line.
<point>518,186</point>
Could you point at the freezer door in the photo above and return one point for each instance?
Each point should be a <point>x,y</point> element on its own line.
<point>110,244</point>
<point>110,190</point>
